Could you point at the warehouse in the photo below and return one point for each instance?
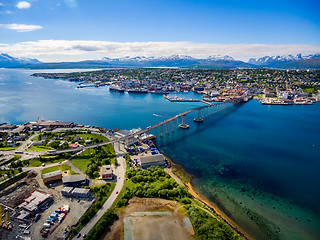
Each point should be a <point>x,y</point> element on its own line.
<point>52,176</point>
<point>152,160</point>
<point>35,201</point>
<point>74,180</point>
<point>81,193</point>
<point>66,191</point>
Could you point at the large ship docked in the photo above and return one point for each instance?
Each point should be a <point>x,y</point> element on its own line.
<point>116,88</point>
<point>137,90</point>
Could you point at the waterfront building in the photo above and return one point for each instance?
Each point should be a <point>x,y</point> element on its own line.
<point>152,160</point>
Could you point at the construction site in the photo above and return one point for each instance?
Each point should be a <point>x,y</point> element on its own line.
<point>31,210</point>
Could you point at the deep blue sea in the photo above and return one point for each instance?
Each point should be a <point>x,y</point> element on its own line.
<point>260,164</point>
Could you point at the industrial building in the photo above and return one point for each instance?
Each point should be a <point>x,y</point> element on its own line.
<point>74,180</point>
<point>152,160</point>
<point>33,204</point>
<point>52,176</point>
<point>81,193</point>
<point>106,172</point>
<point>75,192</point>
<point>66,191</point>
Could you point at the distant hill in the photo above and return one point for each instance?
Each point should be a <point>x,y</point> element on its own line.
<point>171,61</point>
<point>289,61</point>
<point>182,61</point>
<point>313,63</point>
<point>9,61</point>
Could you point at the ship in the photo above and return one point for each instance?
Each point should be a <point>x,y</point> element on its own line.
<point>116,89</point>
<point>159,92</point>
<point>137,90</point>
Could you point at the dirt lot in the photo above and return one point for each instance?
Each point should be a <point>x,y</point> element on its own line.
<point>15,194</point>
<point>170,225</point>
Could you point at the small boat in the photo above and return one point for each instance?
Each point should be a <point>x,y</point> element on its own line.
<point>183,126</point>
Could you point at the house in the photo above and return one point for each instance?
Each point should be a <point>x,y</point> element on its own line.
<point>106,172</point>
<point>88,142</point>
<point>52,176</point>
<point>74,180</point>
<point>38,143</point>
<point>77,138</point>
<point>74,145</point>
<point>11,143</point>
<point>152,160</point>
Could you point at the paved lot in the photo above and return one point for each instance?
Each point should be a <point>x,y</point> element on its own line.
<point>76,211</point>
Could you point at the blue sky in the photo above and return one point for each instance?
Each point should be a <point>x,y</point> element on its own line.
<point>157,27</point>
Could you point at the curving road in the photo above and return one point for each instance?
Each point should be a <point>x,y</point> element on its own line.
<point>108,204</point>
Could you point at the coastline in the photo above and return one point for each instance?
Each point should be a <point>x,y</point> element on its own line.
<point>185,180</point>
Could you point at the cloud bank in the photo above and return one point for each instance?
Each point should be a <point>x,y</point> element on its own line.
<point>21,27</point>
<point>63,50</point>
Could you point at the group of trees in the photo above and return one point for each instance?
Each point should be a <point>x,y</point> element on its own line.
<point>102,156</point>
<point>152,183</point>
<point>208,227</point>
<point>101,226</point>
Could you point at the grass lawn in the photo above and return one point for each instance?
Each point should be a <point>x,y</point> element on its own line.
<point>36,162</point>
<point>36,138</point>
<point>7,148</point>
<point>81,162</point>
<point>51,169</point>
<point>40,148</point>
<point>63,167</point>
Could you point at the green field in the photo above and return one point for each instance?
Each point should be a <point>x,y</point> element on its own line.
<point>36,162</point>
<point>7,148</point>
<point>81,162</point>
<point>40,148</point>
<point>62,168</point>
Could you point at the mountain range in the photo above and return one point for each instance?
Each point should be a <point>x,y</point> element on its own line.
<point>215,61</point>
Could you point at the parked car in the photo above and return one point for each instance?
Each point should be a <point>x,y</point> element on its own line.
<point>79,235</point>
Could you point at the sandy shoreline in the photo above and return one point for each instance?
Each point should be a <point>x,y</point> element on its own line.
<point>205,201</point>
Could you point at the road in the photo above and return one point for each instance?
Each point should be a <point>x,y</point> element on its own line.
<point>119,185</point>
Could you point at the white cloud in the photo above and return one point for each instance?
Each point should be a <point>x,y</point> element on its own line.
<point>21,27</point>
<point>63,50</point>
<point>23,5</point>
<point>1,4</point>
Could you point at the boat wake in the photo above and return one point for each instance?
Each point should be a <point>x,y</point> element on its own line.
<point>157,115</point>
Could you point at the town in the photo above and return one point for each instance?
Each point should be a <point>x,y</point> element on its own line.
<point>267,85</point>
<point>61,180</point>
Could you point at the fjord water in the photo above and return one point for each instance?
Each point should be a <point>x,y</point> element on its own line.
<point>260,164</point>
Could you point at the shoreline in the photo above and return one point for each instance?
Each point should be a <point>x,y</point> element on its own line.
<point>210,205</point>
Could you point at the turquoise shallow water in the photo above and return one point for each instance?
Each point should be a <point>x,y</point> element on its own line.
<point>259,163</point>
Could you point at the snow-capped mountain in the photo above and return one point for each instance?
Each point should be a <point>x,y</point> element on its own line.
<point>271,61</point>
<point>169,61</point>
<point>9,61</point>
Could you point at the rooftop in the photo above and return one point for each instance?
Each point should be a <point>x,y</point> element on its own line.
<point>74,178</point>
<point>51,174</point>
<point>152,158</point>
